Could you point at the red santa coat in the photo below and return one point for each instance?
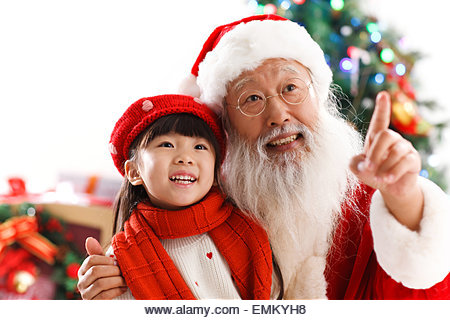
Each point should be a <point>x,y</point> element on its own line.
<point>352,269</point>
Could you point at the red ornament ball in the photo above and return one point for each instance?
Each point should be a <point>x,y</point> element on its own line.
<point>72,270</point>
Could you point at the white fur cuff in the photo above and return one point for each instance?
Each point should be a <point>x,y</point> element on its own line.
<point>417,259</point>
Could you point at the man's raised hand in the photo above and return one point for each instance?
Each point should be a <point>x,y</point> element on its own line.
<point>390,164</point>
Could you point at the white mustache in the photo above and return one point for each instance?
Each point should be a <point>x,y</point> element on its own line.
<point>289,128</point>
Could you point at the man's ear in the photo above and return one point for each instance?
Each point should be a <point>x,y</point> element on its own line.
<point>132,173</point>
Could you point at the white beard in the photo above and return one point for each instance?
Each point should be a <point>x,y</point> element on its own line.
<point>296,196</point>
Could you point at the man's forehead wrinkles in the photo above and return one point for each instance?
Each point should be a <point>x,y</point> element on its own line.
<point>304,74</point>
<point>282,68</point>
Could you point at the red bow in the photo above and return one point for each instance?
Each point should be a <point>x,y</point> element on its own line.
<point>24,230</point>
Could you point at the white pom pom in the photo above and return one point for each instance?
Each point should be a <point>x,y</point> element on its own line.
<point>188,86</point>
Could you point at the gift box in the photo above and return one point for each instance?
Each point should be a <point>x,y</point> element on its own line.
<point>42,240</point>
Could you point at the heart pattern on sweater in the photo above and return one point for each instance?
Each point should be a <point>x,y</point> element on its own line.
<point>209,255</point>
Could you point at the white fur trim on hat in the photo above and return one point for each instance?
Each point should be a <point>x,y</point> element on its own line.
<point>417,259</point>
<point>247,45</point>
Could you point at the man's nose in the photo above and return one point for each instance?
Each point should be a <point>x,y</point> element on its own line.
<point>277,112</point>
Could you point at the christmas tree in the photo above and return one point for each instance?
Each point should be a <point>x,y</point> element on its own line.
<point>366,60</point>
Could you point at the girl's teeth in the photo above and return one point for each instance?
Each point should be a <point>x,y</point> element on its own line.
<point>284,141</point>
<point>183,179</point>
<point>183,182</point>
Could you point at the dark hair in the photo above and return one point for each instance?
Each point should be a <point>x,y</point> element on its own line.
<point>182,123</point>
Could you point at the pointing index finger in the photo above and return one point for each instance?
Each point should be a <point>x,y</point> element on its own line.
<point>381,117</point>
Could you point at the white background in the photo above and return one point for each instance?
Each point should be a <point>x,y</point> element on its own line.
<point>68,69</point>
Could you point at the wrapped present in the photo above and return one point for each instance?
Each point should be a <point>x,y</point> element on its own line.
<point>84,214</point>
<point>42,242</point>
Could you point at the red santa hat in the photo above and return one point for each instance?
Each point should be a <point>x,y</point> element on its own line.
<point>243,45</point>
<point>142,113</point>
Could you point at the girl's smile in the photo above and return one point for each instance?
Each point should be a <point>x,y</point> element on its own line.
<point>183,178</point>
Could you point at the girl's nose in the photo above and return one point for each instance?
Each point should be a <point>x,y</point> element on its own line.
<point>184,158</point>
<point>184,161</point>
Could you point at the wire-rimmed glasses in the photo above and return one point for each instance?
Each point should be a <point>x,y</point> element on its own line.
<point>252,103</point>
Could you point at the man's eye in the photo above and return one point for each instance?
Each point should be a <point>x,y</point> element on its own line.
<point>200,147</point>
<point>253,98</point>
<point>166,145</point>
<point>289,88</point>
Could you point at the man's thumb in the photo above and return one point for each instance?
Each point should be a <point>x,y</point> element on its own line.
<point>93,247</point>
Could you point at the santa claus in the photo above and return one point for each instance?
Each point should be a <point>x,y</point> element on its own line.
<point>345,219</point>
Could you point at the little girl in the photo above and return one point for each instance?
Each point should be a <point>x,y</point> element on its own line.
<point>177,237</point>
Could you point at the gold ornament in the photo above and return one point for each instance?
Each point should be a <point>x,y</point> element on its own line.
<point>23,280</point>
<point>403,109</point>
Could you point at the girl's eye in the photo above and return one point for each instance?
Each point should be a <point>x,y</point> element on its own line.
<point>200,147</point>
<point>166,145</point>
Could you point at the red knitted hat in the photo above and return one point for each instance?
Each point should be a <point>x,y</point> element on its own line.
<point>145,111</point>
<point>243,45</point>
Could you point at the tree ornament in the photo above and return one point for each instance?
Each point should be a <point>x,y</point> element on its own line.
<point>405,116</point>
<point>72,270</point>
<point>23,279</point>
<point>19,269</point>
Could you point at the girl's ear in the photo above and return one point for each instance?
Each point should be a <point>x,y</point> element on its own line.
<point>132,173</point>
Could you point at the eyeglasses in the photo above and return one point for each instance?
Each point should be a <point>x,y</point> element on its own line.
<point>252,103</point>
